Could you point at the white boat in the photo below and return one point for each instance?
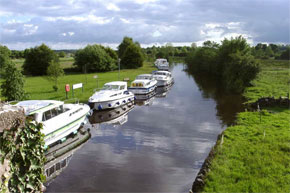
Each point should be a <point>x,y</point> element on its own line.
<point>143,84</point>
<point>59,120</point>
<point>163,78</point>
<point>162,64</point>
<point>112,95</point>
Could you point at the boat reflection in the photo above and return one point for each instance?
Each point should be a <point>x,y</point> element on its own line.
<point>161,92</point>
<point>59,156</point>
<point>117,116</point>
<point>145,100</point>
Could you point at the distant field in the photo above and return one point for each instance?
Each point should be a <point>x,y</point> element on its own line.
<point>273,80</point>
<point>41,88</point>
<point>64,62</point>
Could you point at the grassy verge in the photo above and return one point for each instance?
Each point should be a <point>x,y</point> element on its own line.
<point>273,80</point>
<point>41,88</point>
<point>255,154</point>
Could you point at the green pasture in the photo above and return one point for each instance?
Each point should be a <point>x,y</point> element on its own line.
<point>273,80</point>
<point>41,88</point>
<point>255,154</point>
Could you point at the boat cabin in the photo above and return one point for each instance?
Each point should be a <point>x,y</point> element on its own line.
<point>164,73</point>
<point>116,85</point>
<point>144,77</point>
<point>42,110</point>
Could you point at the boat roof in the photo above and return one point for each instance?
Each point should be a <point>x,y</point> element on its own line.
<point>161,71</point>
<point>141,80</point>
<point>33,106</point>
<point>119,83</point>
<point>144,75</point>
<point>161,59</point>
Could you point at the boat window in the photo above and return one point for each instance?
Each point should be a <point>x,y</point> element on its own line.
<point>54,112</point>
<point>59,109</point>
<point>47,114</point>
<point>110,87</point>
<point>122,87</point>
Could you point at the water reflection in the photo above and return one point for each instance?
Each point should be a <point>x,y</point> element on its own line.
<point>157,148</point>
<point>227,105</point>
<point>162,91</point>
<point>145,100</point>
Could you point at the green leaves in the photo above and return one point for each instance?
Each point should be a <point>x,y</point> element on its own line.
<point>24,147</point>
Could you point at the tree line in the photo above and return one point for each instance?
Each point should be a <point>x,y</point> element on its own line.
<point>231,63</point>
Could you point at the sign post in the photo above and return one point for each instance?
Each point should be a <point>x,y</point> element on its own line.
<point>67,88</point>
<point>75,86</point>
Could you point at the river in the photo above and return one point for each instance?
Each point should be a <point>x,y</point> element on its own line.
<point>156,147</point>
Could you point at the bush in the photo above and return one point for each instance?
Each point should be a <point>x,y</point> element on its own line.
<point>37,60</point>
<point>132,57</point>
<point>95,58</point>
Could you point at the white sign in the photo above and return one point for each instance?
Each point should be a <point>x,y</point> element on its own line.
<point>96,76</point>
<point>79,85</point>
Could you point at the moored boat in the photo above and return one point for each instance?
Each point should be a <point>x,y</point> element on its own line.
<point>112,95</point>
<point>143,84</point>
<point>163,78</point>
<point>161,64</point>
<point>59,120</point>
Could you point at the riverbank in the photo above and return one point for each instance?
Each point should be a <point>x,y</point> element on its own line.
<point>253,155</point>
<point>41,88</point>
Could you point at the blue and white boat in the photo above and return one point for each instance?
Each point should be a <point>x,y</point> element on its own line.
<point>143,84</point>
<point>112,95</point>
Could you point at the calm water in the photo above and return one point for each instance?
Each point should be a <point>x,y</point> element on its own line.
<point>157,145</point>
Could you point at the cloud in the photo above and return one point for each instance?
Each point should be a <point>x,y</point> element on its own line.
<point>146,21</point>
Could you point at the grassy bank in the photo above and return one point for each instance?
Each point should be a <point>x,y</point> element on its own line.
<point>255,154</point>
<point>273,80</point>
<point>41,88</point>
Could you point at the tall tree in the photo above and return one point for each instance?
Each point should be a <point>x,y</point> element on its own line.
<point>37,60</point>
<point>4,58</point>
<point>54,71</point>
<point>95,58</point>
<point>132,57</point>
<point>123,46</point>
<point>12,87</point>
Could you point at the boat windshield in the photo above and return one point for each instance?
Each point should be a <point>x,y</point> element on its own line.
<point>110,87</point>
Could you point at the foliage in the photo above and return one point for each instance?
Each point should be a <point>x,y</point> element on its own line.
<point>286,54</point>
<point>54,71</point>
<point>254,156</point>
<point>95,58</point>
<point>231,63</point>
<point>132,57</point>
<point>37,60</point>
<point>12,87</point>
<point>4,58</point>
<point>61,54</point>
<point>24,148</point>
<point>123,46</point>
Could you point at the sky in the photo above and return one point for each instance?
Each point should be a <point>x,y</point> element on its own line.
<point>72,24</point>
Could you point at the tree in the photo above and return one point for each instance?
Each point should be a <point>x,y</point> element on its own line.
<point>123,46</point>
<point>12,87</point>
<point>61,54</point>
<point>132,57</point>
<point>4,58</point>
<point>37,60</point>
<point>95,58</point>
<point>286,54</point>
<point>54,71</point>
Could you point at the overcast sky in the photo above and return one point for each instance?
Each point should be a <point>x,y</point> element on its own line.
<point>72,24</point>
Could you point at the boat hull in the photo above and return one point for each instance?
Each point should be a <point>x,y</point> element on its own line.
<point>112,103</point>
<point>142,91</point>
<point>164,82</point>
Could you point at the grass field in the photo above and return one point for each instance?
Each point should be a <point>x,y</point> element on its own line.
<point>273,80</point>
<point>255,154</point>
<point>41,87</point>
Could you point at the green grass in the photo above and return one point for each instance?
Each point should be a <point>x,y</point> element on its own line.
<point>41,87</point>
<point>273,80</point>
<point>66,62</point>
<point>255,154</point>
